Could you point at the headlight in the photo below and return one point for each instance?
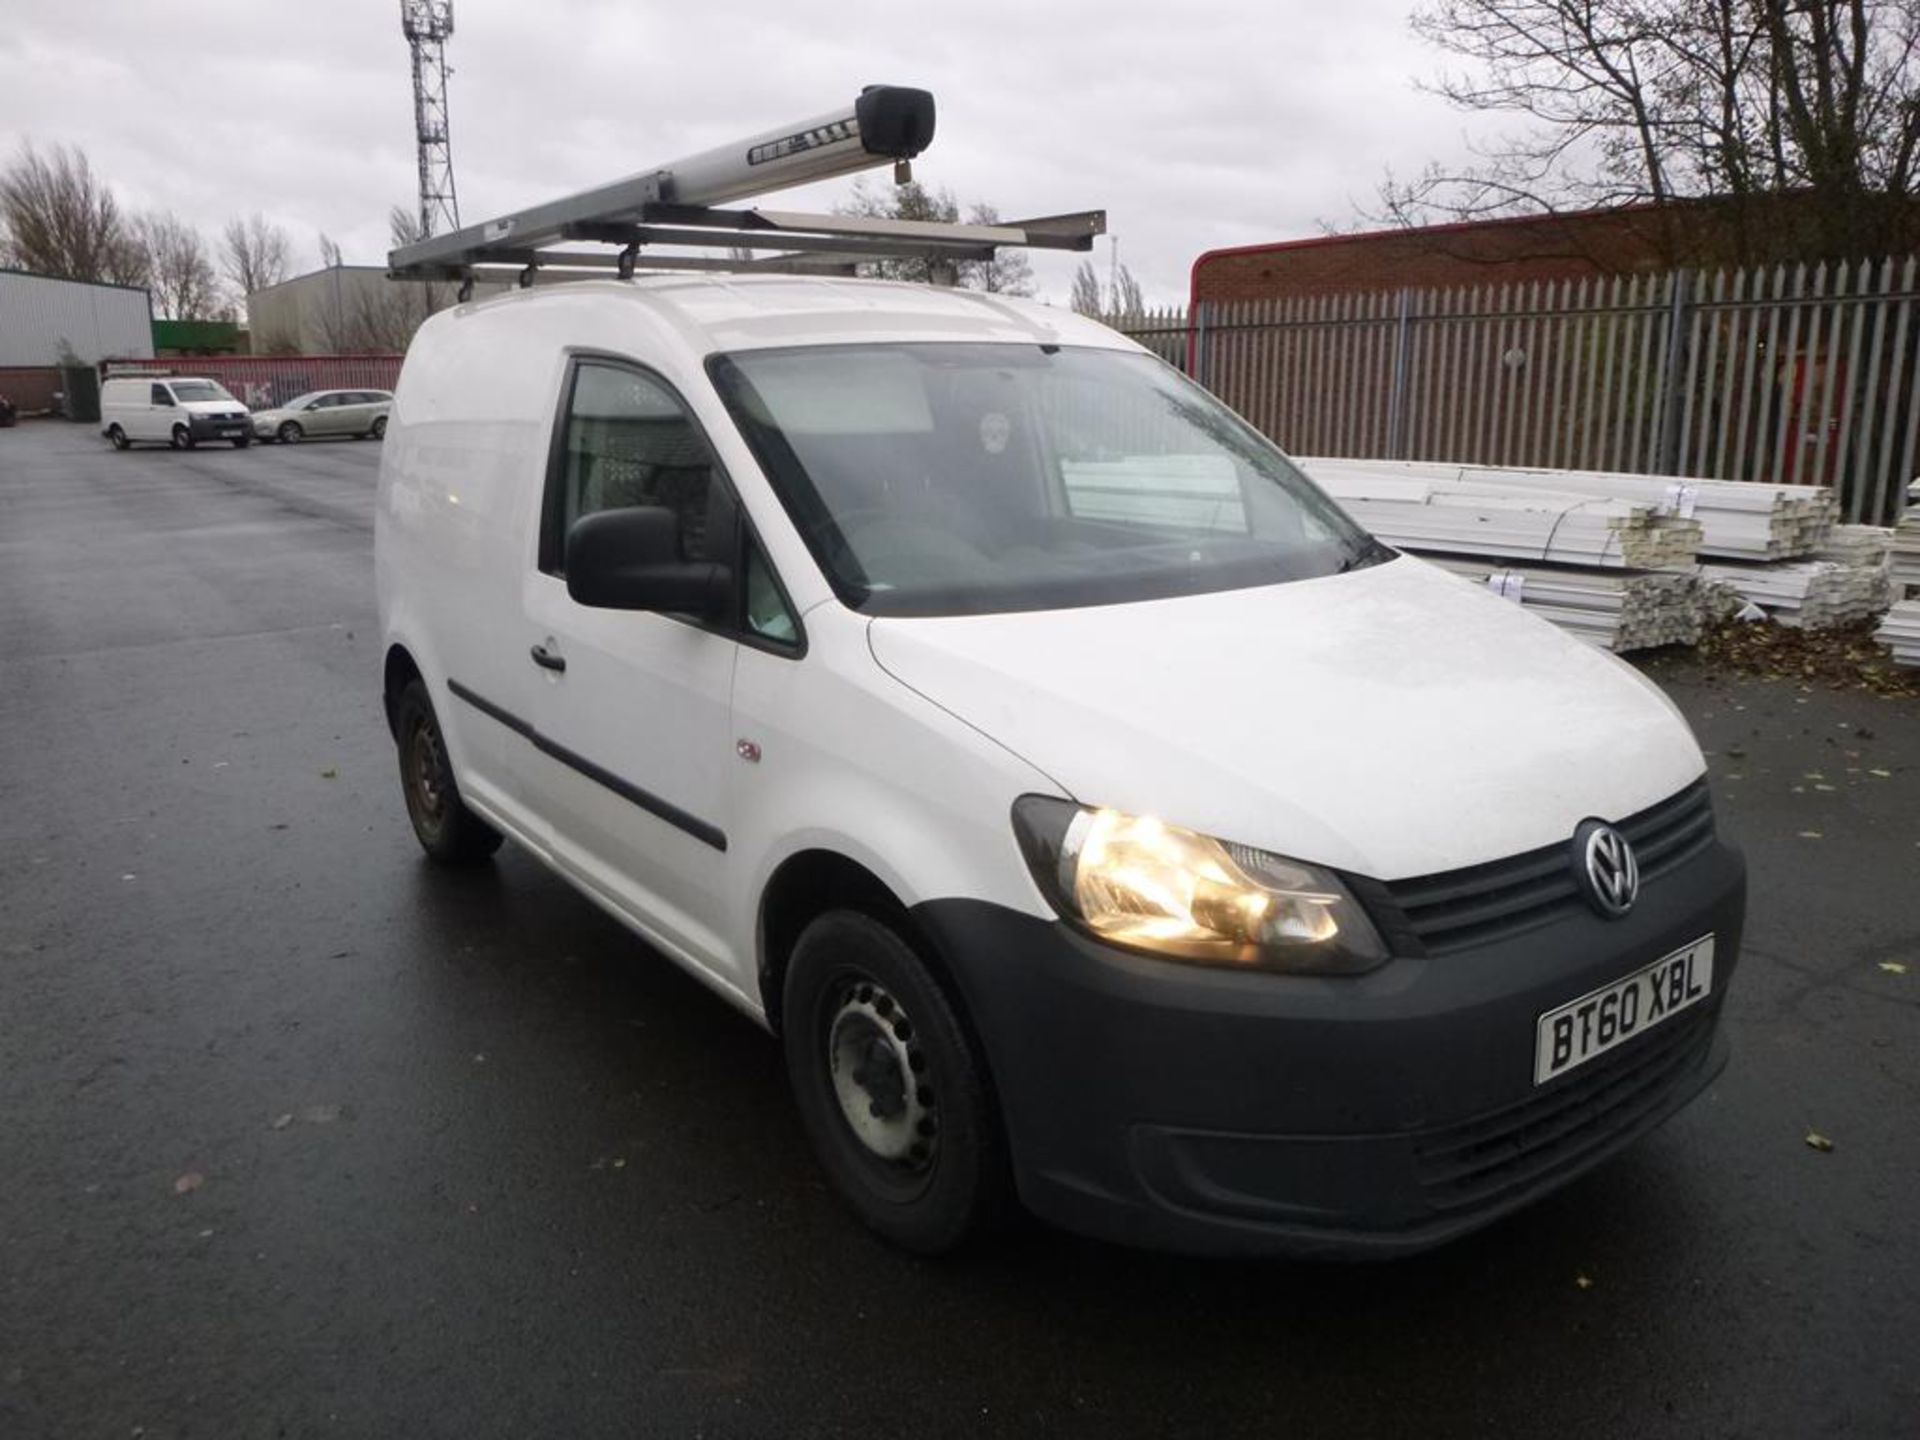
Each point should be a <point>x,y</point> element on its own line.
<point>1148,885</point>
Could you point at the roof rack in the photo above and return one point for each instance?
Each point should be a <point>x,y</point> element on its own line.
<point>677,205</point>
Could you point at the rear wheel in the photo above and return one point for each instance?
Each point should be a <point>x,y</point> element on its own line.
<point>289,432</point>
<point>379,427</point>
<point>118,438</point>
<point>450,833</point>
<point>182,438</point>
<point>891,1089</point>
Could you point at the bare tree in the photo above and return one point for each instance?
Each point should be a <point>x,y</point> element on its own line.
<point>1086,298</point>
<point>1738,101</point>
<point>1007,273</point>
<point>253,254</point>
<point>1122,298</point>
<point>330,258</point>
<point>60,220</point>
<point>179,272</point>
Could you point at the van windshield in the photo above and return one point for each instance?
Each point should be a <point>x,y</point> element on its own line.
<point>189,390</point>
<point>944,479</point>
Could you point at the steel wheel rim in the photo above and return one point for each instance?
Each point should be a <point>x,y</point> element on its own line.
<point>426,789</point>
<point>878,1075</point>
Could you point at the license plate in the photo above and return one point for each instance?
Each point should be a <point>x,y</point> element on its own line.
<point>1573,1034</point>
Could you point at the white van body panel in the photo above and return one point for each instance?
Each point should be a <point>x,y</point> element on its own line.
<point>127,401</point>
<point>1392,722</point>
<point>456,563</point>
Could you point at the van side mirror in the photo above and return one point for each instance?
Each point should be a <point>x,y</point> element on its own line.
<point>630,560</point>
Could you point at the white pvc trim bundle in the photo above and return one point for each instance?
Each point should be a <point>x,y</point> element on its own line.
<point>1739,519</point>
<point>1426,515</point>
<point>1809,594</point>
<point>1900,632</point>
<point>1619,610</point>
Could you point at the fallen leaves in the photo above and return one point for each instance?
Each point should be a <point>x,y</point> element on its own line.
<point>1844,658</point>
<point>189,1182</point>
<point>1817,1141</point>
<point>1584,1282</point>
<point>1893,967</point>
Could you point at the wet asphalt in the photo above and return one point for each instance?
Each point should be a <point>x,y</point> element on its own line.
<point>300,1137</point>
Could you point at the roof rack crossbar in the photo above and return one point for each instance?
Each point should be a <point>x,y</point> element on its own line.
<point>678,205</point>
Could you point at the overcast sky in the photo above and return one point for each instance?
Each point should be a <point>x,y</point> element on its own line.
<point>1223,122</point>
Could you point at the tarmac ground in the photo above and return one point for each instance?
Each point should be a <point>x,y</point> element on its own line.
<point>299,1136</point>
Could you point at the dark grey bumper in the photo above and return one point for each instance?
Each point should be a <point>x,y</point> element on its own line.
<point>207,427</point>
<point>1223,1112</point>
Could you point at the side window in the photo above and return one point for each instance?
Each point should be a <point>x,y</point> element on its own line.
<point>162,396</point>
<point>767,612</point>
<point>628,442</point>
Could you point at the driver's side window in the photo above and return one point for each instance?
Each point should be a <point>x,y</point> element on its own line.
<point>628,441</point>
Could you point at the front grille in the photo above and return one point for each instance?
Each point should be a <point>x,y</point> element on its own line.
<point>1480,1161</point>
<point>1480,904</point>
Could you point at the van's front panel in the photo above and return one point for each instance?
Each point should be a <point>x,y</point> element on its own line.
<point>1215,1110</point>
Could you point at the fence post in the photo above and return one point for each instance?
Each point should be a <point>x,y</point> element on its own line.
<point>1672,370</point>
<point>1197,362</point>
<point>1397,401</point>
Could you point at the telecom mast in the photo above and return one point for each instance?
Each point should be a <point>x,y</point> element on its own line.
<point>427,24</point>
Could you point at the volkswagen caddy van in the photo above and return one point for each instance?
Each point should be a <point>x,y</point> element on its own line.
<point>1102,821</point>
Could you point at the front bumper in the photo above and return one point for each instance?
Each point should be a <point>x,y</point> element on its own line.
<point>211,427</point>
<point>1214,1111</point>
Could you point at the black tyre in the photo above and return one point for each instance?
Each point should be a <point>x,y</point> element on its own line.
<point>118,438</point>
<point>182,438</point>
<point>450,833</point>
<point>379,427</point>
<point>240,442</point>
<point>289,432</point>
<point>892,1091</point>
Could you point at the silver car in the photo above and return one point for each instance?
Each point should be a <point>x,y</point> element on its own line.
<point>358,413</point>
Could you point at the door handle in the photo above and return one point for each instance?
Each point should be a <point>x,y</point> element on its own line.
<point>546,659</point>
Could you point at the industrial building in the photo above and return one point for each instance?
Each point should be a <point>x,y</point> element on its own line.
<point>46,323</point>
<point>344,310</point>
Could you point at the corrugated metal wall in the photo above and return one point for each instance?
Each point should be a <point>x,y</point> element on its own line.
<point>41,319</point>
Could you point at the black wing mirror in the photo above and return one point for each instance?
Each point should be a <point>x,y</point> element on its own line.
<point>630,560</point>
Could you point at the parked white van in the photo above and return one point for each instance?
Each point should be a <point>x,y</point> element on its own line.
<point>1096,813</point>
<point>176,410</point>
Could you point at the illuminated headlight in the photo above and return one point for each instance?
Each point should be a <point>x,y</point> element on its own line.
<point>1147,885</point>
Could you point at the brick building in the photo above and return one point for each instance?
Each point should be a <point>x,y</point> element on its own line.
<point>1480,252</point>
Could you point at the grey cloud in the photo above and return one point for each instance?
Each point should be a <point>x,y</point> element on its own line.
<point>1194,128</point>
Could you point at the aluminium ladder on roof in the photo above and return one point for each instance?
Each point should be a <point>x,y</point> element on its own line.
<point>678,205</point>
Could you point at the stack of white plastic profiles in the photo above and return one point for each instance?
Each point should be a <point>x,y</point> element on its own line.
<point>1900,632</point>
<point>1906,555</point>
<point>1739,520</point>
<point>1619,610</point>
<point>1449,517</point>
<point>1809,594</point>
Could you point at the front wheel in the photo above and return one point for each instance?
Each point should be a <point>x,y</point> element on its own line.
<point>182,438</point>
<point>450,833</point>
<point>891,1090</point>
<point>290,432</point>
<point>240,442</point>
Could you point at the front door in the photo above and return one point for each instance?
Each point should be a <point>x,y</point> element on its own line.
<point>633,715</point>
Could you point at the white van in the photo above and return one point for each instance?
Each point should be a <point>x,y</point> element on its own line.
<point>1096,813</point>
<point>176,410</point>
